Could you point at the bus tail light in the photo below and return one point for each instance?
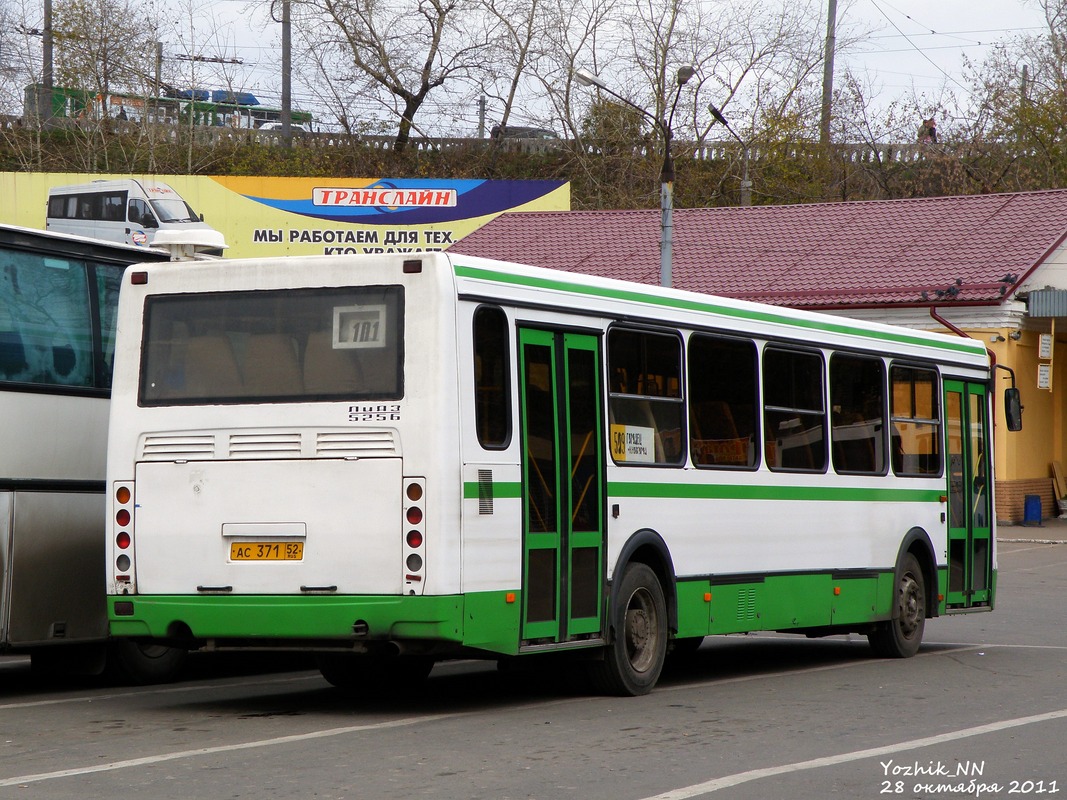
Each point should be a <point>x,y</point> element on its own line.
<point>414,526</point>
<point>122,533</point>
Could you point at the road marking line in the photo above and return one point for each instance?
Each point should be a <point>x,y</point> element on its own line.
<point>956,649</point>
<point>190,687</point>
<point>225,748</point>
<point>728,781</point>
<point>972,646</point>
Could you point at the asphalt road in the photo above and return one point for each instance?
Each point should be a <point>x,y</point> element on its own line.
<point>981,712</point>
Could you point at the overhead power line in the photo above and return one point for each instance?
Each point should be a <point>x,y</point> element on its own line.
<point>209,59</point>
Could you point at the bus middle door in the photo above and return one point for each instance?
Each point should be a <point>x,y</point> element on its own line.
<point>562,486</point>
<point>970,545</point>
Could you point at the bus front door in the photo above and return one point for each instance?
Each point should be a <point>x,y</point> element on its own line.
<point>562,486</point>
<point>970,541</point>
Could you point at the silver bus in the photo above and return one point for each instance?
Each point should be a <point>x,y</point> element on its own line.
<point>58,297</point>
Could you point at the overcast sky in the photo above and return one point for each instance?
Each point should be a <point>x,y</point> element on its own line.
<point>922,44</point>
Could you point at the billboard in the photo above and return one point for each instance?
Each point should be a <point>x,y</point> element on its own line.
<point>268,216</point>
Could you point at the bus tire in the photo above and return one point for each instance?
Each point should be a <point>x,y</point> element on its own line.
<point>633,661</point>
<point>900,636</point>
<point>144,663</point>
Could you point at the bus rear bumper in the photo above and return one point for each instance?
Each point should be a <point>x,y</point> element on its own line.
<point>247,619</point>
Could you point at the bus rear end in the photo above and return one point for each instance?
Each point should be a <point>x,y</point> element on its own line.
<point>271,472</point>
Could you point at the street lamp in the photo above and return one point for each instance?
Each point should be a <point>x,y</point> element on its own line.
<point>666,175</point>
<point>746,184</point>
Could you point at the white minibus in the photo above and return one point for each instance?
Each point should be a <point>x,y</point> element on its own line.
<point>132,211</point>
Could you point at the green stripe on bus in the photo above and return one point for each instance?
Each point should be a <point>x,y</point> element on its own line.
<point>719,491</point>
<point>686,304</point>
<point>502,490</point>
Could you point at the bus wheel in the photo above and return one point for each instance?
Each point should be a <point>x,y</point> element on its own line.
<point>901,636</point>
<point>142,664</point>
<point>356,673</point>
<point>633,661</point>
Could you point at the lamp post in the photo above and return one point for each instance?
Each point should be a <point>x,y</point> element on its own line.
<point>746,184</point>
<point>666,175</point>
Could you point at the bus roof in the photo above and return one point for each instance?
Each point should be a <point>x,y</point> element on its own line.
<point>593,293</point>
<point>522,285</point>
<point>36,239</point>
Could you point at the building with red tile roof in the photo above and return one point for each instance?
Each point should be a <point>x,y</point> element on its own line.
<point>989,266</point>
<point>819,256</point>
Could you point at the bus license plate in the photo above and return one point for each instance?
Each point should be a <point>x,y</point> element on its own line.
<point>266,551</point>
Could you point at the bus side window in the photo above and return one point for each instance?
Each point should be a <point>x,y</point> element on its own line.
<point>45,323</point>
<point>722,402</point>
<point>492,402</point>
<point>794,413</point>
<point>915,417</point>
<point>112,206</point>
<point>646,394</point>
<point>857,406</point>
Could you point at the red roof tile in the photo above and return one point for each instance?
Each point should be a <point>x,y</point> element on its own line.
<point>821,255</point>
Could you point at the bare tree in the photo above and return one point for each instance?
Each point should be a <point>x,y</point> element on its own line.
<point>517,41</point>
<point>104,45</point>
<point>403,49</point>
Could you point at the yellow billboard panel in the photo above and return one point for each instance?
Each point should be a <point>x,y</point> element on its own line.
<point>267,216</point>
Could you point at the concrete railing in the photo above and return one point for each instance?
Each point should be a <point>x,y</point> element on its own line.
<point>877,153</point>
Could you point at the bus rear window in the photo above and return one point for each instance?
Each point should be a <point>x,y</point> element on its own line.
<point>296,345</point>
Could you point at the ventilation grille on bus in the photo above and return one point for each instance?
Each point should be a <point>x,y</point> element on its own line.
<point>746,605</point>
<point>341,444</point>
<point>163,447</point>
<point>270,445</point>
<point>485,491</point>
<point>264,445</point>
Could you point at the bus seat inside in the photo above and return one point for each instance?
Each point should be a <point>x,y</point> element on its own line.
<point>270,366</point>
<point>328,370</point>
<point>210,367</point>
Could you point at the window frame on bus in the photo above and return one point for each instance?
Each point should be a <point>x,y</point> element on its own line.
<point>785,349</point>
<point>879,445</point>
<point>222,355</point>
<point>936,422</point>
<point>501,386</point>
<point>642,406</point>
<point>86,343</point>
<point>701,448</point>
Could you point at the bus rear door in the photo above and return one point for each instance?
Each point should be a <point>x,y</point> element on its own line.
<point>562,469</point>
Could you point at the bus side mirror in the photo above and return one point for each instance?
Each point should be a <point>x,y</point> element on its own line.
<point>1013,409</point>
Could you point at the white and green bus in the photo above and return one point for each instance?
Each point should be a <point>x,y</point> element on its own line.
<point>396,459</point>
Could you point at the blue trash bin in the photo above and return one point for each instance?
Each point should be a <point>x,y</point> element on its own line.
<point>1032,509</point>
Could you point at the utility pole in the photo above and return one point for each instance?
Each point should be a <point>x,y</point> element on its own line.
<point>44,97</point>
<point>287,77</point>
<point>828,71</point>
